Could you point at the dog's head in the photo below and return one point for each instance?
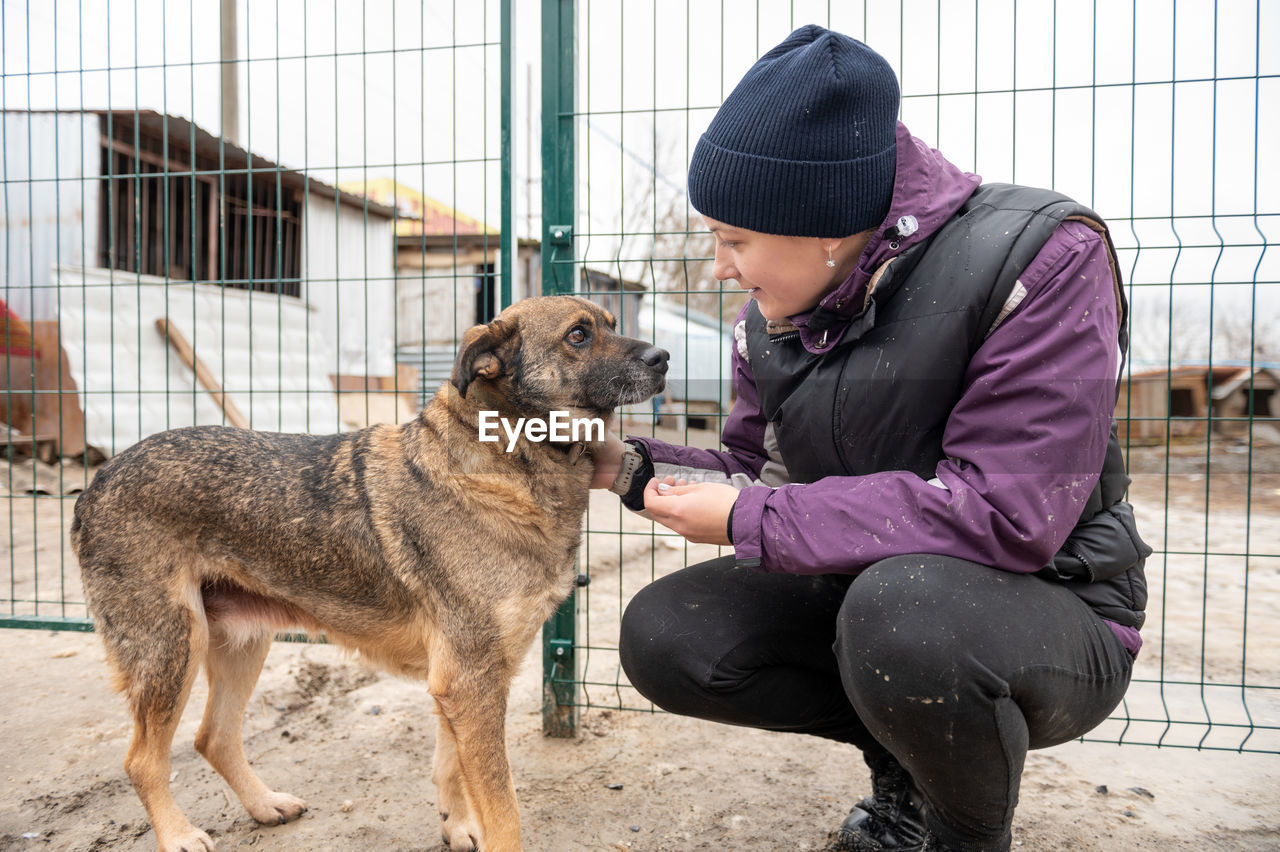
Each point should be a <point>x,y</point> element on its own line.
<point>558,353</point>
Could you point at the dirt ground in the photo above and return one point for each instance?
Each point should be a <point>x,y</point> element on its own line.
<point>356,744</point>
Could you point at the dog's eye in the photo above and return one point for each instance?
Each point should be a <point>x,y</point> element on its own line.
<point>577,336</point>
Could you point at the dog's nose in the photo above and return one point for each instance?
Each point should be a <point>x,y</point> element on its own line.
<point>656,358</point>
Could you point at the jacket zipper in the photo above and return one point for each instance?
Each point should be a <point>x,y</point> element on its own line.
<point>1085,562</point>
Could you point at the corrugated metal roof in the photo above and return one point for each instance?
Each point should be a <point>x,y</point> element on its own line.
<point>186,134</point>
<point>1221,372</point>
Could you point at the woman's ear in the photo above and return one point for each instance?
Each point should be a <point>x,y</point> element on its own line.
<point>854,244</point>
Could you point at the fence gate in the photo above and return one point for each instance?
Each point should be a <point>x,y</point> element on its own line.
<point>284,215</point>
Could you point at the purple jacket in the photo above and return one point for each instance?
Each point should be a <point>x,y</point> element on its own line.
<point>1015,414</point>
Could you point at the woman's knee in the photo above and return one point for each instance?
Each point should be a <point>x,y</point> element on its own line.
<point>895,591</point>
<point>670,633</point>
<point>895,623</point>
<point>643,637</point>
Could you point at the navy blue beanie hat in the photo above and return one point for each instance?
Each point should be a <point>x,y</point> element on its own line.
<point>805,144</point>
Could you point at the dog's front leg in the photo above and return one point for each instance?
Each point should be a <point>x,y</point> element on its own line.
<point>475,715</point>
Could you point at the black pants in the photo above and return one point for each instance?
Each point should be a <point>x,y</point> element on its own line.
<point>949,668</point>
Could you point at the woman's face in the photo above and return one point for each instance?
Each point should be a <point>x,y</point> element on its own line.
<point>785,275</point>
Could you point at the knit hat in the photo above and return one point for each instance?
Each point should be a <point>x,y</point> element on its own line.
<point>805,144</point>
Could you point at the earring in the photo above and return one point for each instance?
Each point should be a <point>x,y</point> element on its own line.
<point>831,263</point>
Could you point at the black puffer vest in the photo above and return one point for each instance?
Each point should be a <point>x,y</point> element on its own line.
<point>898,371</point>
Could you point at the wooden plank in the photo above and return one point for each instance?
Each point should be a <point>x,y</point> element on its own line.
<point>17,404</point>
<point>414,259</point>
<point>211,233</point>
<point>126,149</point>
<point>57,403</point>
<point>183,349</point>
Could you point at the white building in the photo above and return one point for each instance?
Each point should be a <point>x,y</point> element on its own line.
<point>446,276</point>
<point>699,387</point>
<point>284,285</point>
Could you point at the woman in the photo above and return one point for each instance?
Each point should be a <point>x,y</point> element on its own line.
<point>920,481</point>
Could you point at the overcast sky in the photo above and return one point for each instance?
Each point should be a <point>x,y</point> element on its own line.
<point>1161,122</point>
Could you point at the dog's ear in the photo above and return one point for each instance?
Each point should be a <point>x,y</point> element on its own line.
<point>481,354</point>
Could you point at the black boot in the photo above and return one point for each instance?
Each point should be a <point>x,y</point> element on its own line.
<point>891,819</point>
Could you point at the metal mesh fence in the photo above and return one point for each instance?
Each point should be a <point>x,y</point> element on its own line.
<point>275,215</point>
<point>1158,116</point>
<point>319,200</point>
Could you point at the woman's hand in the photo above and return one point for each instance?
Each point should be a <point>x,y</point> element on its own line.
<point>697,511</point>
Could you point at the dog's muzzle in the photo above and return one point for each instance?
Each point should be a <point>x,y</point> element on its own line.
<point>656,359</point>
<point>644,376</point>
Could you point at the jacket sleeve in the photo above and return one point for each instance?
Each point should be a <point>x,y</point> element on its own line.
<point>1024,445</point>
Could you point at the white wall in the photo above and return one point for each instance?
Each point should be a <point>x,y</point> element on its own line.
<point>264,350</point>
<point>348,276</point>
<point>436,309</point>
<point>700,369</point>
<point>48,203</point>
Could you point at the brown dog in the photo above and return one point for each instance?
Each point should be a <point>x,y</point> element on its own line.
<point>436,554</point>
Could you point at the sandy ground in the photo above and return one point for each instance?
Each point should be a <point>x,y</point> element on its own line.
<point>356,744</point>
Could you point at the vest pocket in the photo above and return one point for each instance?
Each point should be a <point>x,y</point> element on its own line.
<point>1104,546</point>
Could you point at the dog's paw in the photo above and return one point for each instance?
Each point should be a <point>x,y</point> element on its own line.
<point>456,836</point>
<point>276,808</point>
<point>191,840</point>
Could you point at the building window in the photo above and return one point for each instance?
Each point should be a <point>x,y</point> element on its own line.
<point>161,209</point>
<point>618,297</point>
<point>1182,403</point>
<point>486,293</point>
<point>1258,402</point>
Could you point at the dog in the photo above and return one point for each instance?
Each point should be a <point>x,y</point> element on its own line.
<point>434,553</point>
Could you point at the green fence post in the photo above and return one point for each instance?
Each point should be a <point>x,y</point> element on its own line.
<point>559,660</point>
<point>508,243</point>
<point>557,146</point>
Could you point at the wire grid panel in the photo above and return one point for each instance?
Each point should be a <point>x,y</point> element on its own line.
<point>283,218</point>
<point>262,235</point>
<point>1155,115</point>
